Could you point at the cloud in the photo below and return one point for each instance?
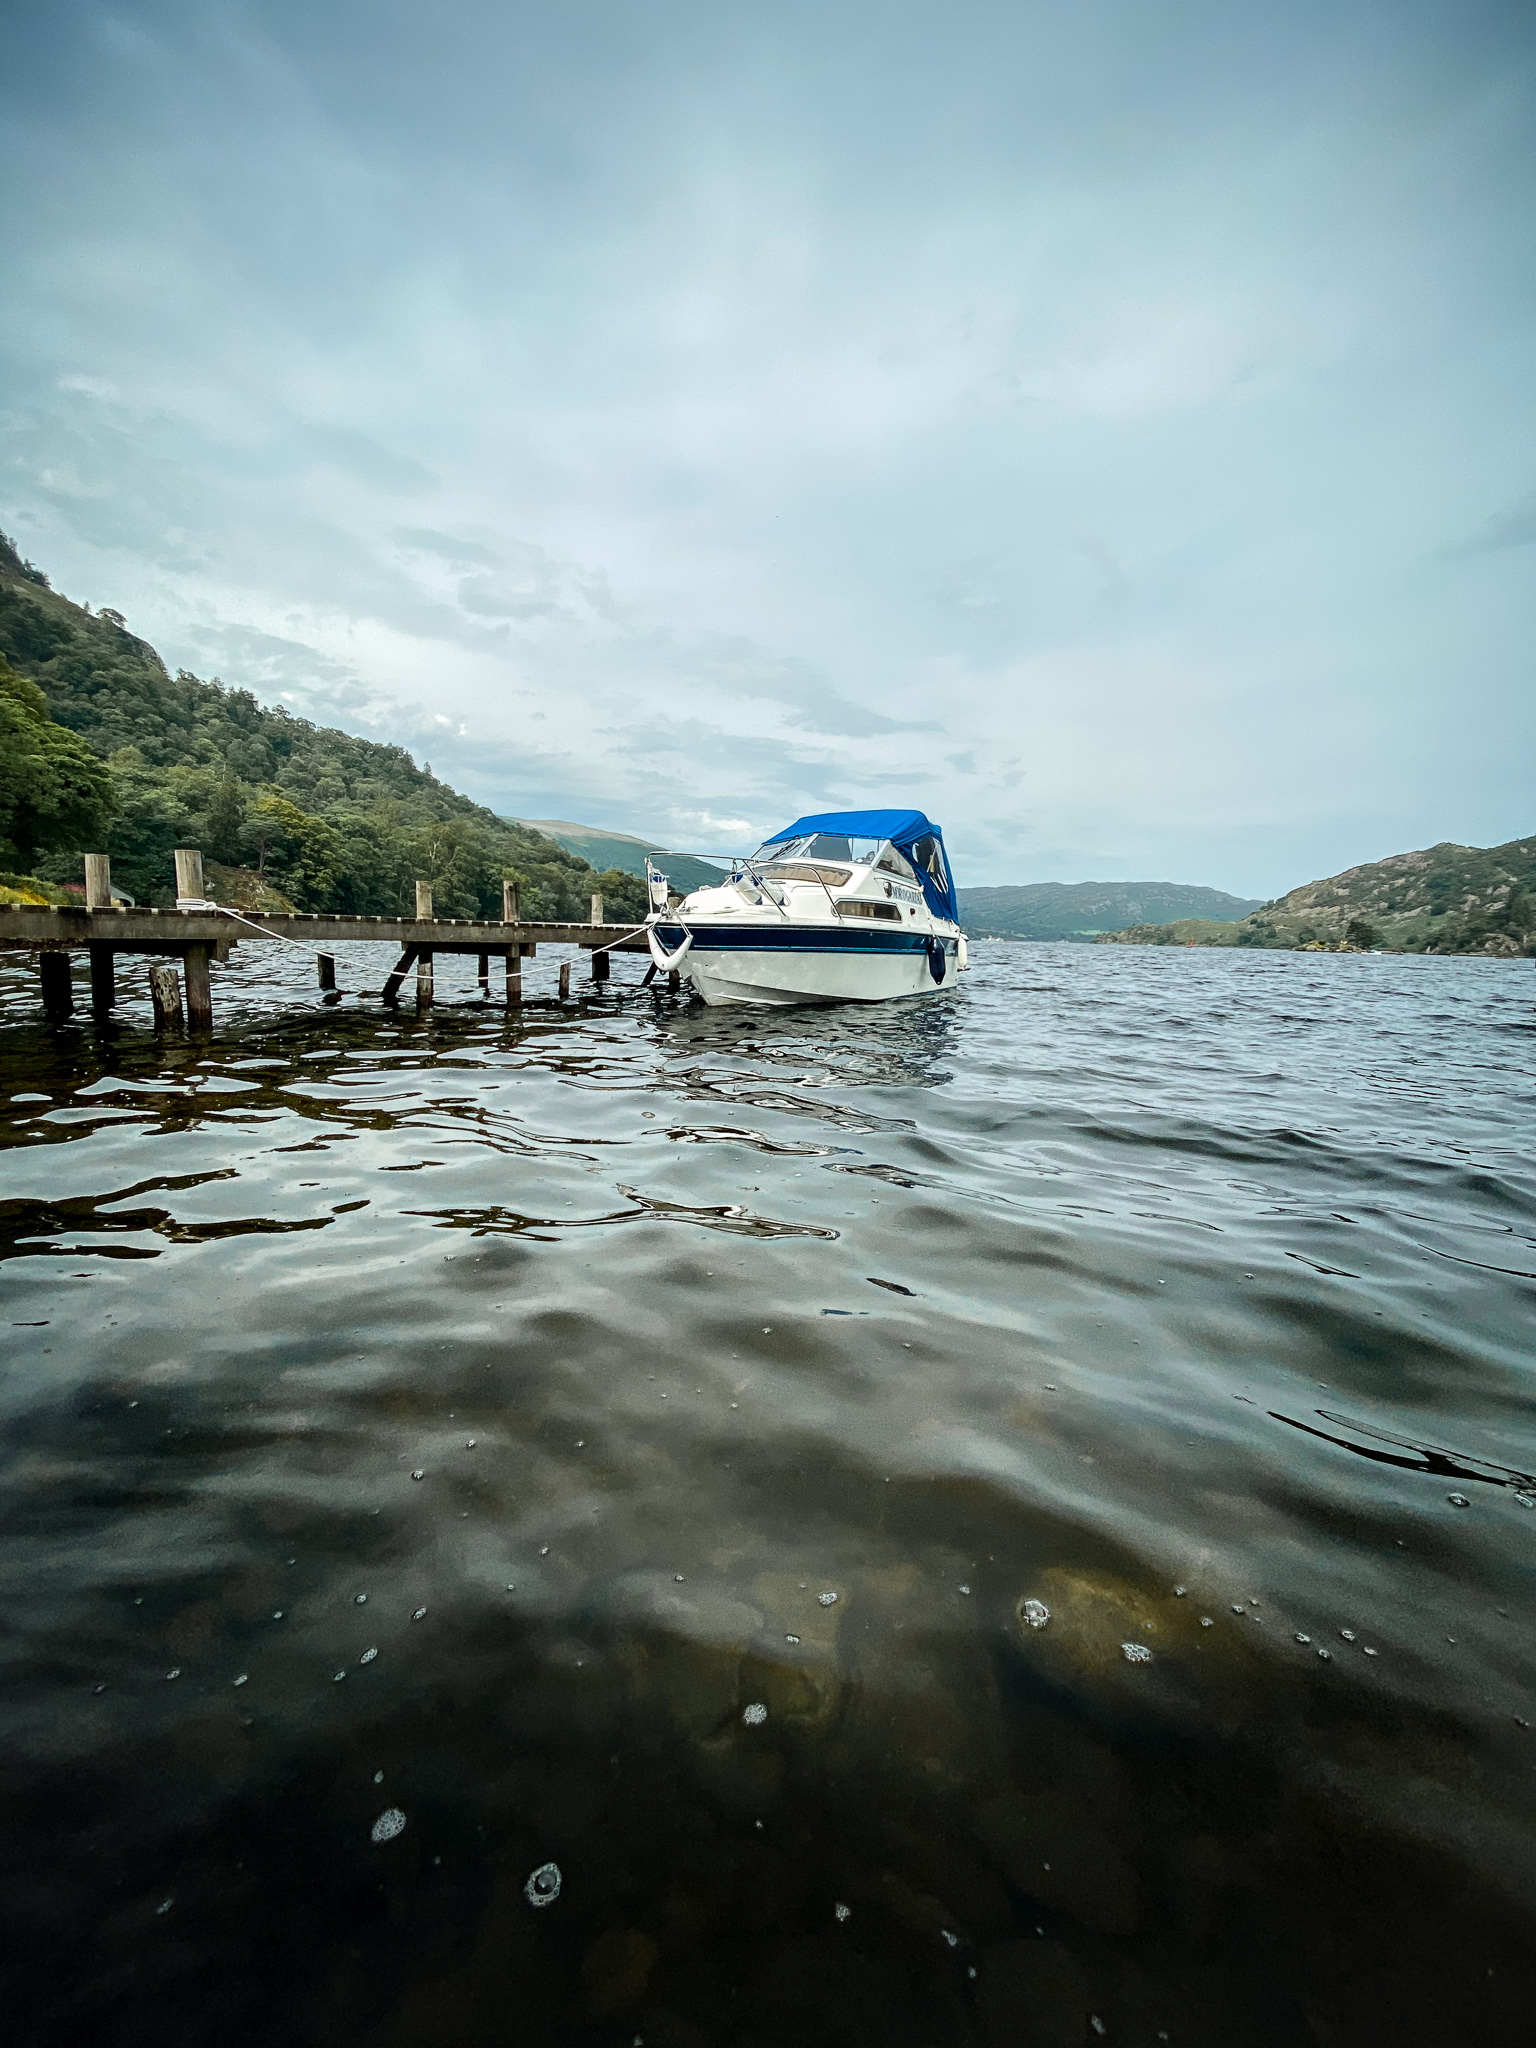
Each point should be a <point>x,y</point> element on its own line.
<point>1515,528</point>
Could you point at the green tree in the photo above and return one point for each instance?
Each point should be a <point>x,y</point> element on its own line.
<point>54,792</point>
<point>1360,934</point>
<point>226,815</point>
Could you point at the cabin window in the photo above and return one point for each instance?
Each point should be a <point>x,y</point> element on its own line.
<point>929,856</point>
<point>892,863</point>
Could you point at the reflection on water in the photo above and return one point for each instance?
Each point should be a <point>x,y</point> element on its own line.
<point>1007,1520</point>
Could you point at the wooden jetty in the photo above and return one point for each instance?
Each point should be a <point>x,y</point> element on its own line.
<point>197,932</point>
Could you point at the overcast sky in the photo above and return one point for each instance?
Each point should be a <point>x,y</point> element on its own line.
<point>1106,423</point>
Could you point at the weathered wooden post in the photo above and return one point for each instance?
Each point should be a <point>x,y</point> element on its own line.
<point>565,980</point>
<point>424,958</point>
<point>199,990</point>
<point>58,989</point>
<point>674,980</point>
<point>599,960</point>
<point>189,878</point>
<point>597,907</point>
<point>326,963</point>
<point>165,993</point>
<point>103,980</point>
<point>514,974</point>
<point>98,882</point>
<point>484,975</point>
<point>509,910</point>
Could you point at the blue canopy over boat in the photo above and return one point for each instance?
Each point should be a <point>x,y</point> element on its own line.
<point>909,831</point>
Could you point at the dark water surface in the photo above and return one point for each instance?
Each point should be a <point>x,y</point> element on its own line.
<point>1187,1294</point>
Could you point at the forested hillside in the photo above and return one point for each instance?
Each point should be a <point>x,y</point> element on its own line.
<point>1442,899</point>
<point>1082,910</point>
<point>330,821</point>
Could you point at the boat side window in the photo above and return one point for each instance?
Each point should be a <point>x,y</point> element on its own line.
<point>891,863</point>
<point>829,846</point>
<point>929,855</point>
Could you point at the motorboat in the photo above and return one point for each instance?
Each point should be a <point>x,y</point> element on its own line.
<point>841,907</point>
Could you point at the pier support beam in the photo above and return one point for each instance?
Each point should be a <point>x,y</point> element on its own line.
<point>58,990</point>
<point>601,962</point>
<point>165,994</point>
<point>199,989</point>
<point>514,977</point>
<point>565,981</point>
<point>424,980</point>
<point>484,975</point>
<point>397,974</point>
<point>103,976</point>
<point>325,964</point>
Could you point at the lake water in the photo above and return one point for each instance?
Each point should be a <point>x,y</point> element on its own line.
<point>625,1438</point>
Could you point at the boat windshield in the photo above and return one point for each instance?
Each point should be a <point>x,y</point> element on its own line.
<point>820,846</point>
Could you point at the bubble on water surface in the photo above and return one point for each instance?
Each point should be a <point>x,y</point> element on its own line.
<point>243,1679</point>
<point>1525,1500</point>
<point>1136,1653</point>
<point>368,1656</point>
<point>842,1912</point>
<point>1348,1634</point>
<point>543,1887</point>
<point>338,1678</point>
<point>361,1600</point>
<point>420,1614</point>
<point>175,1672</point>
<point>952,1940</point>
<point>755,1714</point>
<point>418,1475</point>
<point>828,1599</point>
<point>391,1822</point>
<point>165,1905</point>
<point>788,1639</point>
<point>1303,1639</point>
<point>378,1777</point>
<point>965,1589</point>
<point>1035,1613</point>
<point>1458,1500</point>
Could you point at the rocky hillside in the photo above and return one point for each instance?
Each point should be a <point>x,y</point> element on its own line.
<point>1085,910</point>
<point>1444,899</point>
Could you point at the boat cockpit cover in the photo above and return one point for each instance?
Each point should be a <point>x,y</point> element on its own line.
<point>908,831</point>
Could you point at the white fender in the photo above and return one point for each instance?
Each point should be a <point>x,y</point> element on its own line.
<point>962,953</point>
<point>667,962</point>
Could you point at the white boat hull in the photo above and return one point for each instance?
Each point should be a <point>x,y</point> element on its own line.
<point>787,963</point>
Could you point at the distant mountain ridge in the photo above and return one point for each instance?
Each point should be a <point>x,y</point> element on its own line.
<point>1441,899</point>
<point>1086,910</point>
<point>622,850</point>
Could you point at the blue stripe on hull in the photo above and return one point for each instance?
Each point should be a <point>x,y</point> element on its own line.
<point>784,938</point>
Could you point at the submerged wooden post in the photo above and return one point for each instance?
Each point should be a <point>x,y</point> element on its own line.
<point>98,882</point>
<point>103,979</point>
<point>485,974</point>
<point>326,963</point>
<point>397,974</point>
<point>565,980</point>
<point>58,989</point>
<point>601,962</point>
<point>423,899</point>
<point>674,980</point>
<point>199,990</point>
<point>424,979</point>
<point>509,911</point>
<point>189,876</point>
<point>165,993</point>
<point>514,974</point>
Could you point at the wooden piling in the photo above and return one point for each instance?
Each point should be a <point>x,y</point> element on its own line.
<point>424,978</point>
<point>103,975</point>
<point>189,878</point>
<point>485,975</point>
<point>98,882</point>
<point>397,974</point>
<point>199,990</point>
<point>674,980</point>
<point>600,961</point>
<point>326,965</point>
<point>565,980</point>
<point>514,976</point>
<point>509,914</point>
<point>58,989</point>
<point>165,993</point>
<point>423,899</point>
<point>597,907</point>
